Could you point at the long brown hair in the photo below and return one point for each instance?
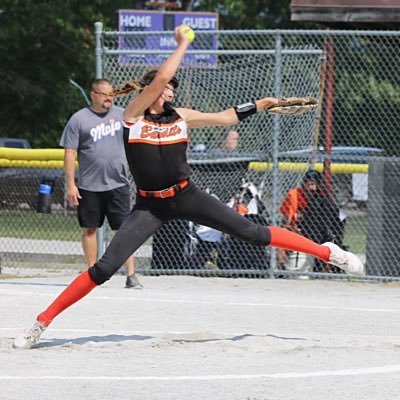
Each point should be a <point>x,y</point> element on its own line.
<point>137,85</point>
<point>129,87</point>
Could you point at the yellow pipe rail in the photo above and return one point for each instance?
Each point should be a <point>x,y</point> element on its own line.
<point>54,158</point>
<point>31,154</point>
<point>302,167</point>
<point>31,158</point>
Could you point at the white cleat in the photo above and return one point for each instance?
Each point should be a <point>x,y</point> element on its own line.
<point>30,337</point>
<point>345,260</point>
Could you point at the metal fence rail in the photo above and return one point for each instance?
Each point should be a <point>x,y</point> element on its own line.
<point>352,138</point>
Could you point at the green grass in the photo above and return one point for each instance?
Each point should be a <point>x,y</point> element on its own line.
<point>31,225</point>
<point>355,236</point>
<point>57,226</point>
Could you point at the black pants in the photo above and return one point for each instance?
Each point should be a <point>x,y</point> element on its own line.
<point>149,214</point>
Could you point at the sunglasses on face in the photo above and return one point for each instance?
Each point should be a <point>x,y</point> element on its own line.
<point>102,93</point>
<point>170,89</point>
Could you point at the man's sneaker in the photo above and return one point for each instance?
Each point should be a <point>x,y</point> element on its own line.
<point>30,337</point>
<point>345,260</point>
<point>132,282</point>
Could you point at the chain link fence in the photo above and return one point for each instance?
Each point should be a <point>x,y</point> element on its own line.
<point>351,139</point>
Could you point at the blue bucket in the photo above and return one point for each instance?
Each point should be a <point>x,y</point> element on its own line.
<point>44,189</point>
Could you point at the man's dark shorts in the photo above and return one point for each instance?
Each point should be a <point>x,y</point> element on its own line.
<point>95,206</point>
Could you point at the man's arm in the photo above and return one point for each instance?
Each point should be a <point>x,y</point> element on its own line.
<point>73,195</point>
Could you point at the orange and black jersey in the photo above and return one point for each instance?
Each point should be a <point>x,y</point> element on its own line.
<point>155,148</point>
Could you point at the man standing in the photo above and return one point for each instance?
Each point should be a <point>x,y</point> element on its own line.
<point>95,134</point>
<point>308,210</point>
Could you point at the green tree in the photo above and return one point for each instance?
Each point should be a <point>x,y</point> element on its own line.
<point>256,14</point>
<point>44,43</point>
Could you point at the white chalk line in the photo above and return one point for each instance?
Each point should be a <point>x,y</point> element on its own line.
<point>221,303</point>
<point>387,369</point>
<point>128,332</point>
<point>201,302</point>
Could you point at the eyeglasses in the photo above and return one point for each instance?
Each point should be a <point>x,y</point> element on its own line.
<point>173,90</point>
<point>103,94</point>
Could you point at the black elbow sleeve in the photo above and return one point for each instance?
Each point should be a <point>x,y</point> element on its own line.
<point>245,110</point>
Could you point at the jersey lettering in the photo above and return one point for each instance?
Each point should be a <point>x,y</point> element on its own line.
<point>156,132</point>
<point>144,131</point>
<point>104,130</point>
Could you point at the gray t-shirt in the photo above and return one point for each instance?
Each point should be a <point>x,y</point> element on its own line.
<point>98,139</point>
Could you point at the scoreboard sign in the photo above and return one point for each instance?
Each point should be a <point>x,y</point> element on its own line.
<point>147,49</point>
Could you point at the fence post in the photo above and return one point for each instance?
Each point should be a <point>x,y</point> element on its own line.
<point>275,144</point>
<point>98,29</point>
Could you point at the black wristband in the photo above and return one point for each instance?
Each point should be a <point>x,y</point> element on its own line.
<point>245,110</point>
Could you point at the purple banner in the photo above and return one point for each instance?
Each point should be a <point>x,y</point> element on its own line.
<point>133,20</point>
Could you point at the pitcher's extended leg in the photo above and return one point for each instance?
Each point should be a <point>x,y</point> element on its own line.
<point>288,240</point>
<point>202,208</point>
<point>78,288</point>
<point>136,229</point>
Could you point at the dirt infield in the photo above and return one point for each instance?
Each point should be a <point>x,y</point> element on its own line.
<point>205,338</point>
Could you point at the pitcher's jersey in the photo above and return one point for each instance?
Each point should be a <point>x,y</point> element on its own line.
<point>155,148</point>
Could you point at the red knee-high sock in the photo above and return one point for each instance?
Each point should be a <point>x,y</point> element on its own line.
<point>77,289</point>
<point>285,239</point>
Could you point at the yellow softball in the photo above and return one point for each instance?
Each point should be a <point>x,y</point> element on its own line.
<point>189,33</point>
